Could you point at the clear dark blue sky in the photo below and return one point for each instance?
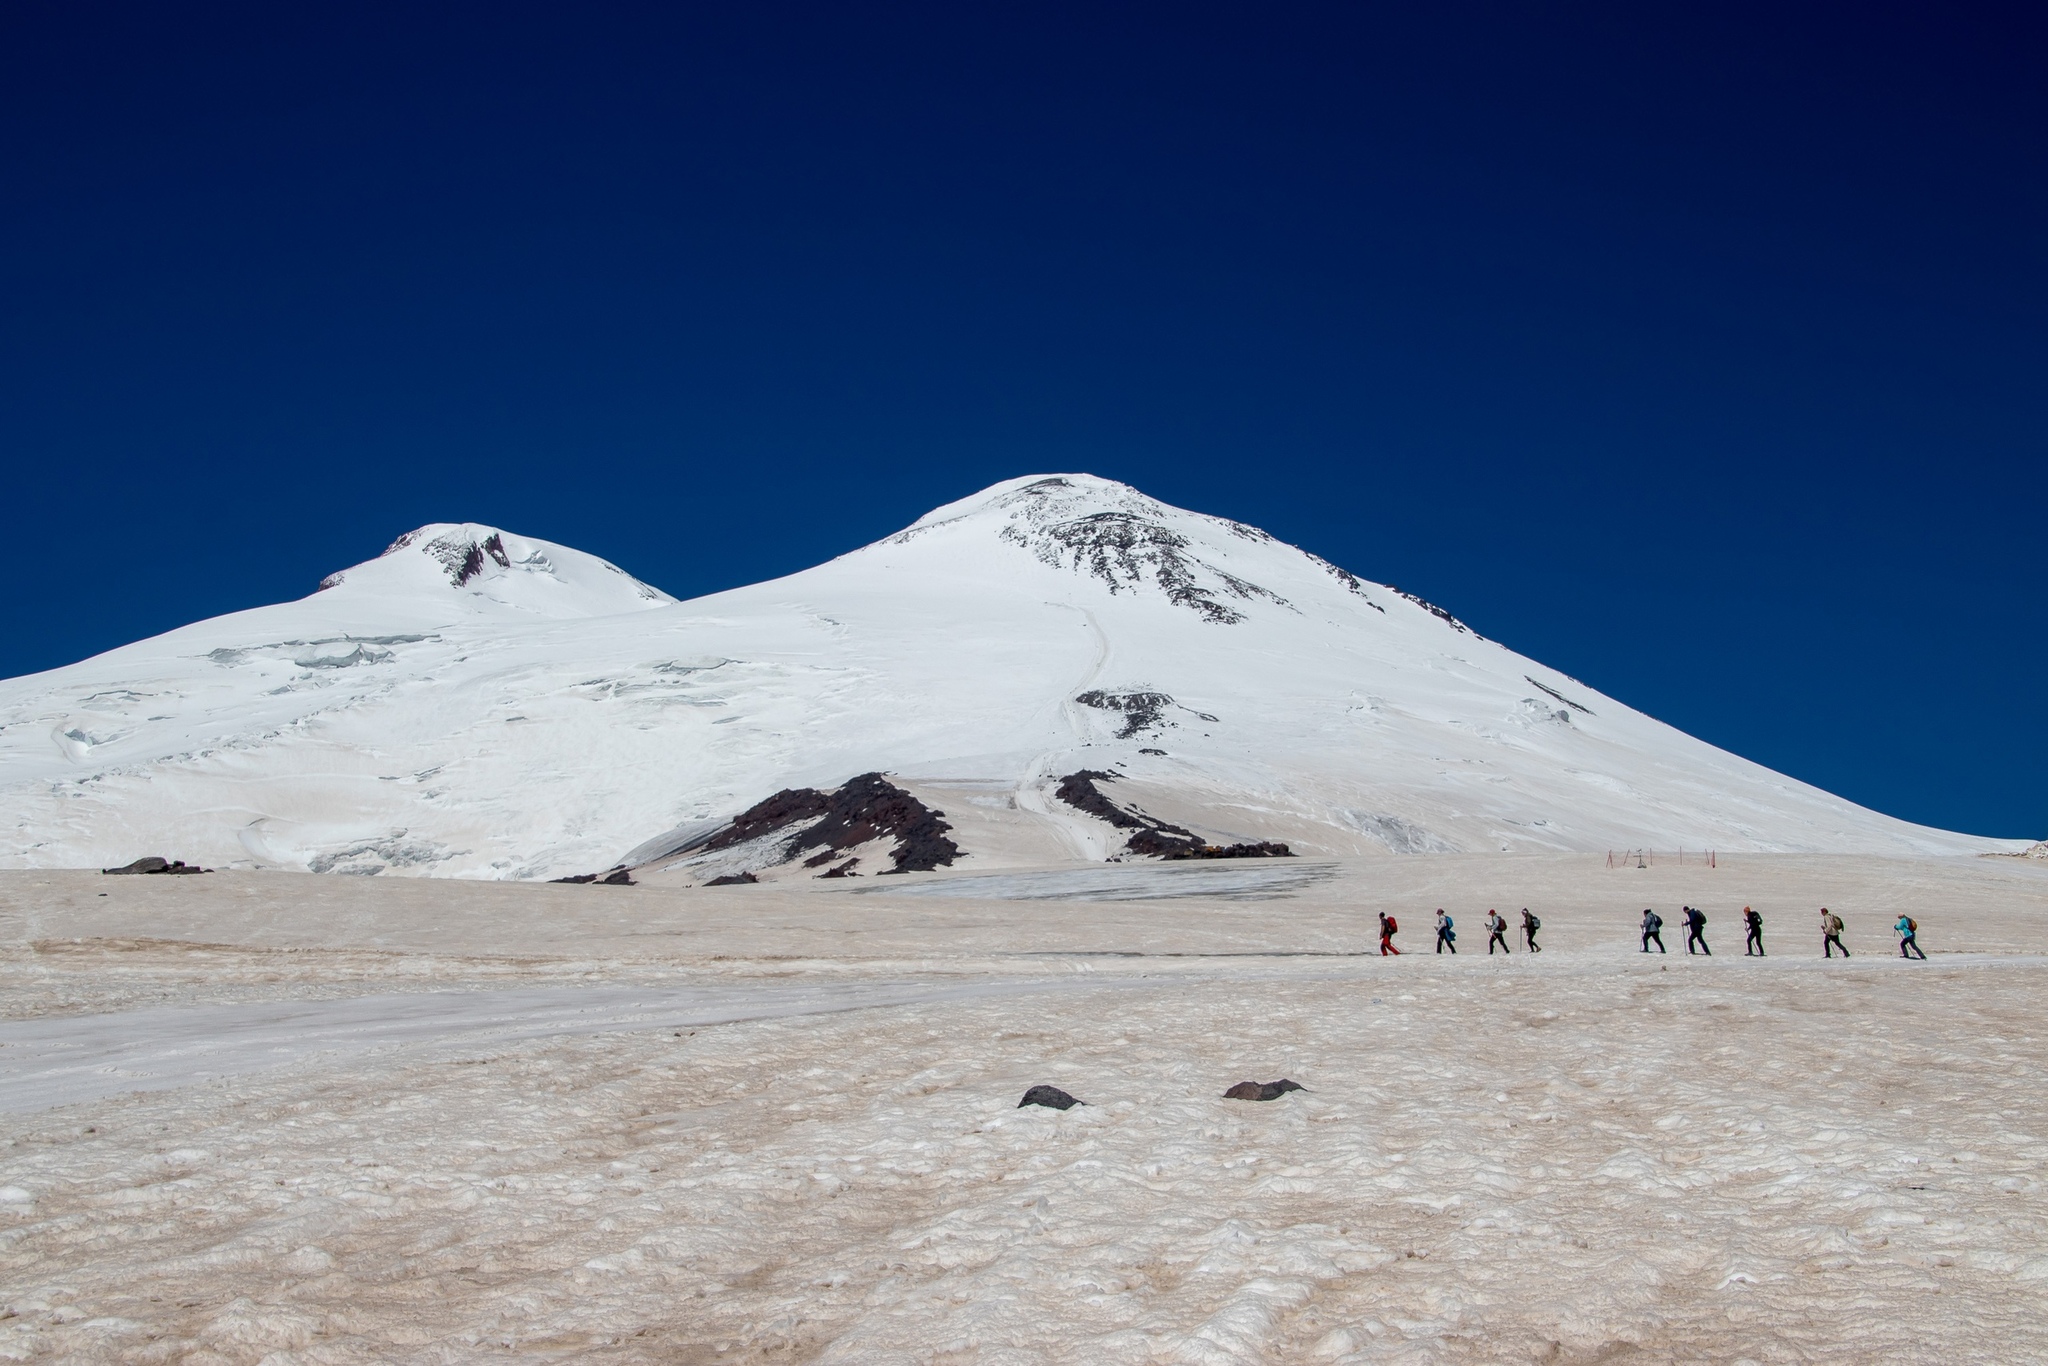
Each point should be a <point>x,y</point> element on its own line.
<point>1697,351</point>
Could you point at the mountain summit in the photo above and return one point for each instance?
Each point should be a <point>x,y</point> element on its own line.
<point>1056,668</point>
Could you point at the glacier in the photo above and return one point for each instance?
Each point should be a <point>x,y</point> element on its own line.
<point>474,703</point>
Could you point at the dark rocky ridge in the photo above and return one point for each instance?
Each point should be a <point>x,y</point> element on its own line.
<point>1439,613</point>
<point>865,808</point>
<point>784,809</point>
<point>1350,581</point>
<point>1125,548</point>
<point>1151,837</point>
<point>1561,697</point>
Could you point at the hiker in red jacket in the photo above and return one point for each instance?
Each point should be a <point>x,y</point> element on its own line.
<point>1389,927</point>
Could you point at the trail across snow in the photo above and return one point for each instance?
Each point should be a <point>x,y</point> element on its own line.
<point>64,1060</point>
<point>1583,1156</point>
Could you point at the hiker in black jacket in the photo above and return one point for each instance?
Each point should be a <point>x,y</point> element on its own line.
<point>1696,930</point>
<point>1530,924</point>
<point>1653,929</point>
<point>1754,945</point>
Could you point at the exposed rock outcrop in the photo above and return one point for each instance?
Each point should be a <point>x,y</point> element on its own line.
<point>154,866</point>
<point>1141,710</point>
<point>1151,837</point>
<point>797,821</point>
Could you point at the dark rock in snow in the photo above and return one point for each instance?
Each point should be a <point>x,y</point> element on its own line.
<point>865,808</point>
<point>1151,837</point>
<point>1127,547</point>
<point>870,807</point>
<point>1051,1097</point>
<point>1561,697</point>
<point>732,880</point>
<point>1258,849</point>
<point>1078,790</point>
<point>156,866</point>
<point>1160,752</point>
<point>1350,581</point>
<point>1141,710</point>
<point>843,870</point>
<point>1262,1090</point>
<point>464,560</point>
<point>617,877</point>
<point>1439,613</point>
<point>784,809</point>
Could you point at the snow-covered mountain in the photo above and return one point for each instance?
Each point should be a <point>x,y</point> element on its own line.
<point>474,703</point>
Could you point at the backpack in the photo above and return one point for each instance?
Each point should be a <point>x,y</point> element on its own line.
<point>1535,923</point>
<point>1653,924</point>
<point>1393,925</point>
<point>1912,925</point>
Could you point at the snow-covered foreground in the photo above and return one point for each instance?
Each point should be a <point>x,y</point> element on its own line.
<point>1582,1156</point>
<point>64,1059</point>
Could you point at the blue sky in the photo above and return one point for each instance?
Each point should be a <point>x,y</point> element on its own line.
<point>1697,353</point>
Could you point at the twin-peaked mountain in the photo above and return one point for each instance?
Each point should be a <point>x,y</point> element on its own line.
<point>475,703</point>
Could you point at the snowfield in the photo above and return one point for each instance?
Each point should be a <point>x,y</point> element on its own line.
<point>476,704</point>
<point>263,1117</point>
<point>399,1120</point>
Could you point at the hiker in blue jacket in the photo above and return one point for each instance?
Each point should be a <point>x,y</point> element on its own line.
<point>1653,930</point>
<point>1445,935</point>
<point>1909,938</point>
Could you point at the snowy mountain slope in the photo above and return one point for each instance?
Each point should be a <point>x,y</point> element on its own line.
<point>478,704</point>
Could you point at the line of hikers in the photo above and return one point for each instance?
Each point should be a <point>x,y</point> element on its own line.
<point>1447,934</point>
<point>1907,929</point>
